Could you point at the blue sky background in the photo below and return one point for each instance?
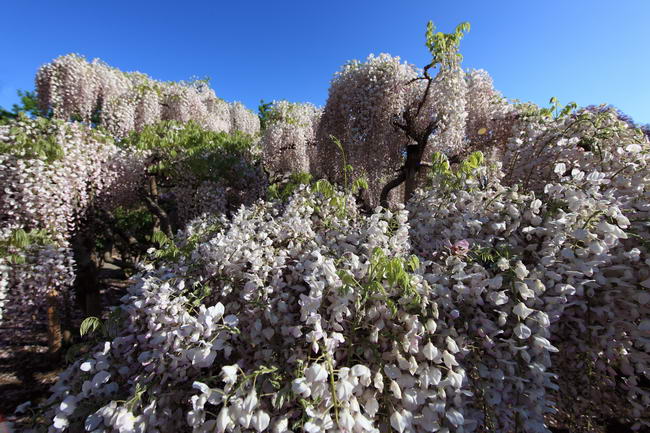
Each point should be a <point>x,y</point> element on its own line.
<point>588,51</point>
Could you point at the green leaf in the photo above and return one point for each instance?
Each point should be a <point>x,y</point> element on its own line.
<point>414,263</point>
<point>359,184</point>
<point>20,238</point>
<point>89,325</point>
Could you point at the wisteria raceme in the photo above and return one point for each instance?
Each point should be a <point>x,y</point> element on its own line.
<point>221,118</point>
<point>69,87</point>
<point>118,115</point>
<point>148,108</point>
<point>243,120</point>
<point>289,140</point>
<point>489,117</point>
<point>584,140</point>
<point>547,273</point>
<point>52,194</point>
<point>364,99</point>
<point>72,87</point>
<point>52,172</point>
<point>26,285</point>
<point>448,104</point>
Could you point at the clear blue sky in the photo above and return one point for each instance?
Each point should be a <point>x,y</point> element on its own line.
<point>588,51</point>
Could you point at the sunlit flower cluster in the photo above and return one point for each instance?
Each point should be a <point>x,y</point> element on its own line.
<point>366,99</point>
<point>541,286</point>
<point>584,140</point>
<point>45,274</point>
<point>448,104</point>
<point>72,87</point>
<point>489,116</point>
<point>289,140</point>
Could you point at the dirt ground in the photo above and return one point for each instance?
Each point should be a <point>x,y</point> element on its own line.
<point>27,370</point>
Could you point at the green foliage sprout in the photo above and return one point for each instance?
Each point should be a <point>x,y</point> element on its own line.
<point>444,46</point>
<point>442,172</point>
<point>385,275</point>
<point>28,107</point>
<point>282,192</point>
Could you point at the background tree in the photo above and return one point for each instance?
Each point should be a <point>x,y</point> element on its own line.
<point>28,105</point>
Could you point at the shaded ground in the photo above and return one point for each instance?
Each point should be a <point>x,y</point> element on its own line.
<point>26,369</point>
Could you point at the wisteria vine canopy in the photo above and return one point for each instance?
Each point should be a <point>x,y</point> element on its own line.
<point>421,254</point>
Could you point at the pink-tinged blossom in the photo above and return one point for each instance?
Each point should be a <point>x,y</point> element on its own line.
<point>72,87</point>
<point>289,140</point>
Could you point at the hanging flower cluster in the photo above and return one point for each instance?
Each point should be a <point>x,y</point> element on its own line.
<point>52,172</point>
<point>33,267</point>
<point>489,116</point>
<point>309,316</point>
<point>72,87</point>
<point>364,100</point>
<point>535,285</point>
<point>242,119</point>
<point>585,140</point>
<point>289,140</point>
<point>448,104</point>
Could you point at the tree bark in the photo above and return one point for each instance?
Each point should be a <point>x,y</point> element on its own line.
<point>161,216</point>
<point>54,334</point>
<point>411,169</point>
<point>383,197</point>
<point>414,152</point>
<point>151,201</point>
<point>86,283</point>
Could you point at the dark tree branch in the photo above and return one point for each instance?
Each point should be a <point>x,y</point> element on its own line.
<point>426,70</point>
<point>401,126</point>
<point>424,98</point>
<point>160,213</point>
<point>431,127</point>
<point>361,198</point>
<point>414,152</point>
<point>151,200</point>
<point>383,197</point>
